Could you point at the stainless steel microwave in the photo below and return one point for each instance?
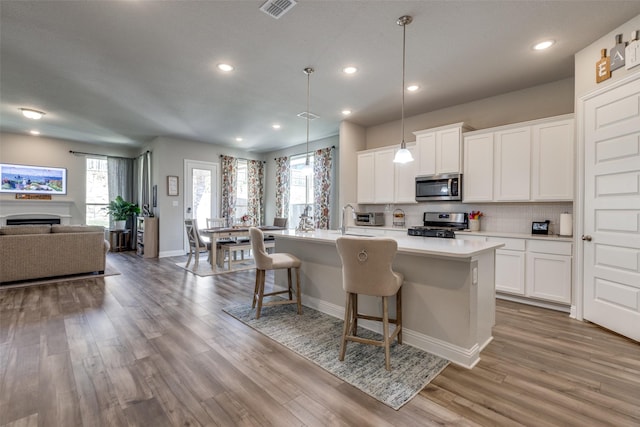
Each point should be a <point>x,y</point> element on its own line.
<point>439,187</point>
<point>369,218</point>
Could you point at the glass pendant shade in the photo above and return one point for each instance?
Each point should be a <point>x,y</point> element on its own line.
<point>403,155</point>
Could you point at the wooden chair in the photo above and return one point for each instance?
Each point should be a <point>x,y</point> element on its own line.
<point>216,222</point>
<point>196,243</point>
<point>367,270</point>
<point>264,262</point>
<point>280,222</point>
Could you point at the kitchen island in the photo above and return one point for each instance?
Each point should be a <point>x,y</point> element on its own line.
<point>448,292</point>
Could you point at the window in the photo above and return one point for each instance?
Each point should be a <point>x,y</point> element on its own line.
<point>242,188</point>
<point>301,188</point>
<point>97,196</point>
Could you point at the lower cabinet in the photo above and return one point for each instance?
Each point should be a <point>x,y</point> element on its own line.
<point>535,269</point>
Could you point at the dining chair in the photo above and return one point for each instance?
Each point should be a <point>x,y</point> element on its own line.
<point>276,261</point>
<point>215,222</point>
<point>196,243</point>
<point>367,270</point>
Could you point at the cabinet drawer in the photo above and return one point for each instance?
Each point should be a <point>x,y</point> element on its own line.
<point>556,248</point>
<point>509,243</point>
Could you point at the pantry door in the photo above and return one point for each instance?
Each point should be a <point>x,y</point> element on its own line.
<point>611,239</point>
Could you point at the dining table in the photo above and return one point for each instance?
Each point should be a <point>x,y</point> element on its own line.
<point>233,232</point>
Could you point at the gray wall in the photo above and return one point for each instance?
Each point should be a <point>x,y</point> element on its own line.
<point>585,60</point>
<point>42,151</point>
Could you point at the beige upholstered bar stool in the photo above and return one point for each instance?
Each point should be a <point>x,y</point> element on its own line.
<point>367,270</point>
<point>276,261</point>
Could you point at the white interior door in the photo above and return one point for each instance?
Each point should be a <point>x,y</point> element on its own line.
<point>200,192</point>
<point>611,240</point>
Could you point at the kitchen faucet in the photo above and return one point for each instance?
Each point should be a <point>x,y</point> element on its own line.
<point>343,228</point>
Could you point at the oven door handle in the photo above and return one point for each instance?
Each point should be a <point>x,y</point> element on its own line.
<point>450,182</point>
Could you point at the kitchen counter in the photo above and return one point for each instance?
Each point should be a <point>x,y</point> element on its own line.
<point>448,291</point>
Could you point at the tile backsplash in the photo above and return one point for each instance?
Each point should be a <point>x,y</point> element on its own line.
<point>498,217</point>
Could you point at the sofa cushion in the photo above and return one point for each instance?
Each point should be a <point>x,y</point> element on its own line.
<point>57,228</point>
<point>11,230</point>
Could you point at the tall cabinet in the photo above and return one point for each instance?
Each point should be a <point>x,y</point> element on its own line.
<point>147,237</point>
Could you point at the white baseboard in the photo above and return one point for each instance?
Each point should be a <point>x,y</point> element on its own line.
<point>166,254</point>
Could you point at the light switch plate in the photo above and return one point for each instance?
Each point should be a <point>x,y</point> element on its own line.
<point>175,203</point>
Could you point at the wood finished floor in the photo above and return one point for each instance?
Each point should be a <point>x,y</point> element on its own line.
<point>152,347</point>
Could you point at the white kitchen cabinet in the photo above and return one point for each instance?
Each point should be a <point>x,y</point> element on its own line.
<point>384,183</point>
<point>510,265</point>
<point>512,165</point>
<point>477,180</point>
<point>531,161</point>
<point>405,179</point>
<point>440,149</point>
<point>379,178</point>
<point>552,161</point>
<point>549,271</point>
<point>366,178</point>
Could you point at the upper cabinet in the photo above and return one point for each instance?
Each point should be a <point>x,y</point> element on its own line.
<point>552,160</point>
<point>440,149</point>
<point>530,161</point>
<point>380,180</point>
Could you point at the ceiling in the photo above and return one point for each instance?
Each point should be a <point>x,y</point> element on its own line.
<point>127,71</point>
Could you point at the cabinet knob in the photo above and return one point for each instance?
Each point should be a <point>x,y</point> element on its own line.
<point>586,238</point>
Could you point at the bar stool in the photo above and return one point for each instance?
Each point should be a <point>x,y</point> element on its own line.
<point>276,261</point>
<point>367,270</point>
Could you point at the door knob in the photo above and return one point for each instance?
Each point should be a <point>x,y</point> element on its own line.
<point>587,238</point>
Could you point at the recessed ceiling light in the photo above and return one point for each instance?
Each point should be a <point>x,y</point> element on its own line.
<point>32,114</point>
<point>346,112</point>
<point>225,67</point>
<point>349,70</point>
<point>276,126</point>
<point>239,139</point>
<point>413,88</point>
<point>34,132</point>
<point>544,45</point>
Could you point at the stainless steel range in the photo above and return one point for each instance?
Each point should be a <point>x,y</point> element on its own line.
<point>440,224</point>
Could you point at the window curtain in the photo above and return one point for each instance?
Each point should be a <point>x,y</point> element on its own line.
<point>142,181</point>
<point>229,174</point>
<point>322,183</point>
<point>283,177</point>
<point>255,177</point>
<point>121,182</point>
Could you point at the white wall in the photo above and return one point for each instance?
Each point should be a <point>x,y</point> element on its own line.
<point>42,151</point>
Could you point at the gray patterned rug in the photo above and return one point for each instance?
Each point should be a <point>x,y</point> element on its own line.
<point>316,336</point>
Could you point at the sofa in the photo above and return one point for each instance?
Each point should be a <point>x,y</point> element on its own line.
<point>40,251</point>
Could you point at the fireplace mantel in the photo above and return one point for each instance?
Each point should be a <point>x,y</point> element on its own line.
<point>15,208</point>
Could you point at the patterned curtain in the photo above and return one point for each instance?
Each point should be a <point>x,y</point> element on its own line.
<point>229,174</point>
<point>282,187</point>
<point>120,180</point>
<point>322,179</point>
<point>255,177</point>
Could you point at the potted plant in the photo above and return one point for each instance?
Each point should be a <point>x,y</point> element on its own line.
<point>120,210</point>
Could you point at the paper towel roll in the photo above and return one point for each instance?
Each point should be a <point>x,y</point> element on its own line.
<point>566,224</point>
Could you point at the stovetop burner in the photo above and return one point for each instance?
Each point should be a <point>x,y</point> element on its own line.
<point>440,224</point>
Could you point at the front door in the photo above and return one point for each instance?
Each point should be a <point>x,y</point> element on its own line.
<point>201,192</point>
<point>611,240</point>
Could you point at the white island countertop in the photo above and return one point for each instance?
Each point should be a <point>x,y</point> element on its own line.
<point>426,246</point>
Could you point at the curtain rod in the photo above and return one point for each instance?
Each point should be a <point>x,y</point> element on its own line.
<point>104,155</point>
<point>242,158</point>
<point>332,147</point>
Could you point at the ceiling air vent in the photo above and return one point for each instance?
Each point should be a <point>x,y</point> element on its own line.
<point>277,8</point>
<point>305,115</point>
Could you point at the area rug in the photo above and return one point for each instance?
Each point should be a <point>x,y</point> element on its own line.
<point>316,336</point>
<point>205,269</point>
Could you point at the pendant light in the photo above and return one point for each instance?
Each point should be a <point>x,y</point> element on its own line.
<point>403,155</point>
<point>307,170</point>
